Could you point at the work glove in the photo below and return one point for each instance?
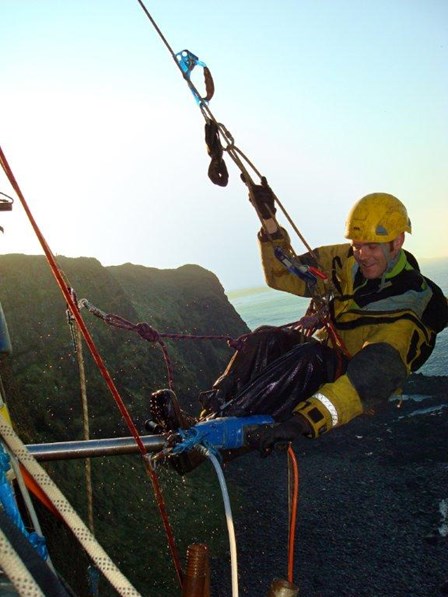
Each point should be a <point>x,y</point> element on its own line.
<point>263,199</point>
<point>266,437</point>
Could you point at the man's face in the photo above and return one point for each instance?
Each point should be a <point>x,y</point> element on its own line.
<point>373,258</point>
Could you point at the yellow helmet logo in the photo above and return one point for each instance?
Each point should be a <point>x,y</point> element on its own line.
<point>377,218</point>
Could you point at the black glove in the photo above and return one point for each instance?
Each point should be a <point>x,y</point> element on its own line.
<point>263,198</point>
<point>266,437</point>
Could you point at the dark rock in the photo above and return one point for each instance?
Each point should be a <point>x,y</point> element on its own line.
<point>432,538</point>
<point>368,513</point>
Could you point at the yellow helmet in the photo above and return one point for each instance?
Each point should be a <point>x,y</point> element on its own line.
<point>377,218</point>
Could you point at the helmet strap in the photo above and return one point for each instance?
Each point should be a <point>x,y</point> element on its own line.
<point>387,249</point>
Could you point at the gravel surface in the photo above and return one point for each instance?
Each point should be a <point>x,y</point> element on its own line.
<point>371,518</point>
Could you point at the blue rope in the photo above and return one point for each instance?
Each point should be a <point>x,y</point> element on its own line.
<point>8,501</point>
<point>93,580</point>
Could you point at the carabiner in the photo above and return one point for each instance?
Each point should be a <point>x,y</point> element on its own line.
<point>187,61</point>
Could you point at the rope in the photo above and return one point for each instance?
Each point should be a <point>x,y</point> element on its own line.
<point>147,332</point>
<point>78,349</point>
<point>293,497</point>
<point>71,518</point>
<point>307,325</point>
<point>86,428</point>
<point>101,366</point>
<point>16,570</point>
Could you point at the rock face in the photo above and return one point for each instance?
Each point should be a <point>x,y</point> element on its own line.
<point>373,507</point>
<point>43,394</point>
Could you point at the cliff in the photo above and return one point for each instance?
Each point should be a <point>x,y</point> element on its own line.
<point>188,300</point>
<point>43,393</point>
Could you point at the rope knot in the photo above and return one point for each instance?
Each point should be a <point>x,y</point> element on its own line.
<point>236,344</point>
<point>147,332</point>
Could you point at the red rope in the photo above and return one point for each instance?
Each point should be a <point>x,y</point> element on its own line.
<point>294,498</point>
<point>100,363</point>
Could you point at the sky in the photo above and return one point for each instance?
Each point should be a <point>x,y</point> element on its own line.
<point>330,99</point>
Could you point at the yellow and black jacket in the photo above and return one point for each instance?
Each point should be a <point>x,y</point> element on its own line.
<point>388,325</point>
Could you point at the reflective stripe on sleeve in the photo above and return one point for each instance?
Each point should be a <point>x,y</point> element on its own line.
<point>329,406</point>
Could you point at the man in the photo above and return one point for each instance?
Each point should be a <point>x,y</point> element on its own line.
<point>384,311</point>
<point>379,324</point>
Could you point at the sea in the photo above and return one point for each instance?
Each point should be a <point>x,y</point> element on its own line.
<point>265,306</point>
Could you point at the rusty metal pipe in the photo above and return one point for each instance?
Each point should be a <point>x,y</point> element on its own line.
<point>196,581</point>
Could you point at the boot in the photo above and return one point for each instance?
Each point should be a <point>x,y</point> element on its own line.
<point>166,414</point>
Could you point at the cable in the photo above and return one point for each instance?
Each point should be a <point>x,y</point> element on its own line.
<point>229,517</point>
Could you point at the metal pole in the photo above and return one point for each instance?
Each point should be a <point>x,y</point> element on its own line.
<point>95,447</point>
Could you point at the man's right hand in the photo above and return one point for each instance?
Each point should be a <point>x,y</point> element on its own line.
<point>262,197</point>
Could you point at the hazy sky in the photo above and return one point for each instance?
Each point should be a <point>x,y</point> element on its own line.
<point>330,99</point>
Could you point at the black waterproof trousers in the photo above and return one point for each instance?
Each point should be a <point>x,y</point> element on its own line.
<point>275,370</point>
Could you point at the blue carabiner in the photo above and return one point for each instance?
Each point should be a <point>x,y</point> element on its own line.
<point>187,61</point>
